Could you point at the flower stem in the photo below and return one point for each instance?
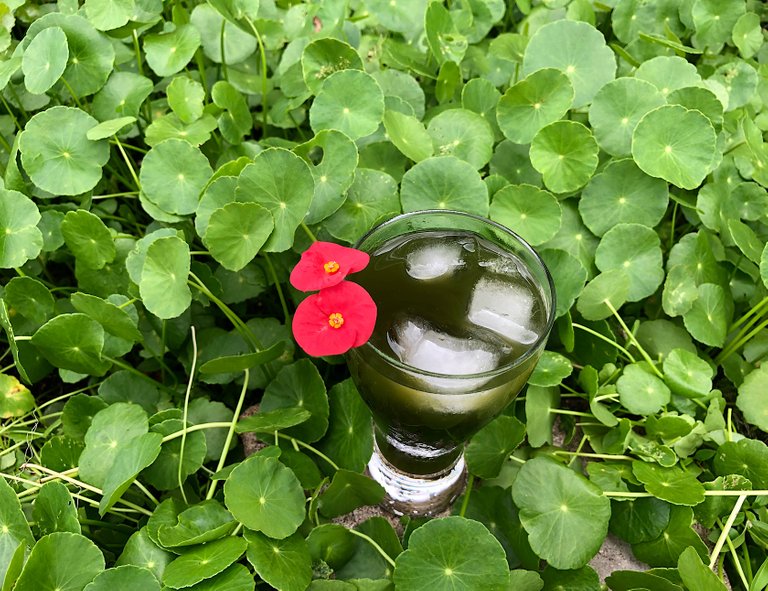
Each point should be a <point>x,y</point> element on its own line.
<point>185,417</point>
<point>632,338</point>
<point>726,528</point>
<point>278,287</point>
<point>376,546</point>
<point>308,232</point>
<point>306,446</point>
<point>467,494</point>
<point>601,336</point>
<point>230,434</point>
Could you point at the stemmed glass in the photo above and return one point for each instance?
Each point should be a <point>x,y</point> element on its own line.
<point>465,309</point>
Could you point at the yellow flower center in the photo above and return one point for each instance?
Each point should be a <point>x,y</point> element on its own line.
<point>331,267</point>
<point>336,320</point>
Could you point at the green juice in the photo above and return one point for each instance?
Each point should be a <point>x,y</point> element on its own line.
<point>457,334</point>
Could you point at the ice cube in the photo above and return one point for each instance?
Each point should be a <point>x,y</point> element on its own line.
<point>435,260</point>
<point>504,308</point>
<point>417,344</point>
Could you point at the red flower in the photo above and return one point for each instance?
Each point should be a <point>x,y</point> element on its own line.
<point>325,264</point>
<point>334,320</point>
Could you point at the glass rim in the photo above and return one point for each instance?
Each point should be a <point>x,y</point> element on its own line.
<point>492,373</point>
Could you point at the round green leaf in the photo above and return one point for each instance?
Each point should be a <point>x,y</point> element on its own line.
<point>57,154</point>
<point>511,161</point>
<point>464,134</point>
<point>236,120</point>
<point>622,193</point>
<point>141,551</point>
<point>565,153</point>
<point>558,506</point>
<point>203,562</point>
<point>539,420</point>
<point>20,239</point>
<point>333,175</point>
<point>30,298</point>
<point>88,238</point>
<point>714,21</point>
<point>281,182</point>
<point>300,385</point>
<point>124,577</point>
<point>168,53</point>
<point>164,473</point>
<point>265,496</point>
<point>699,99</point>
<point>283,564</point>
<point>764,265</point>
<point>349,439</point>
<point>740,79</point>
<point>115,320</point>
<point>54,510</point>
<point>134,262</point>
<point>402,85</point>
<point>636,250</point>
<point>534,102</point>
<point>16,532</point>
<point>444,182</point>
<point>163,285</point>
<point>746,457</point>
<point>45,60</point>
<point>109,14</point>
<point>348,491</point>
<point>408,135</point>
<point>438,558</point>
<point>531,212</point>
<point>640,392</point>
<point>111,430</point>
<point>235,578</point>
<point>185,97</point>
<point>134,456</point>
<point>675,485</point>
<point>668,73</point>
<point>709,315</point>
<point>237,44</point>
<point>752,397</point>
<point>15,398</point>
<point>73,342</point>
<point>639,520</point>
<point>121,96</point>
<point>91,54</point>
<point>62,561</point>
<point>236,233</point>
<point>675,144</point>
<point>350,101</point>
<point>491,446</point>
<point>578,50</point>
<point>323,57</point>
<point>201,523</point>
<point>109,128</point>
<point>687,374</point>
<point>480,95</point>
<point>676,538</point>
<point>443,38</point>
<point>172,175</point>
<point>617,108</point>
<point>551,369</point>
<point>372,197</point>
<point>568,274</point>
<point>747,35</point>
<point>610,287</point>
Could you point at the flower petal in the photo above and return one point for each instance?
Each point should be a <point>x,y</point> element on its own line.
<point>310,272</point>
<point>349,301</point>
<point>355,304</point>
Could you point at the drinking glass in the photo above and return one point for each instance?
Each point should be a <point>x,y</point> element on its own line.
<point>422,419</point>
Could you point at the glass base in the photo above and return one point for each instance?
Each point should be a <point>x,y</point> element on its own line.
<point>424,495</point>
